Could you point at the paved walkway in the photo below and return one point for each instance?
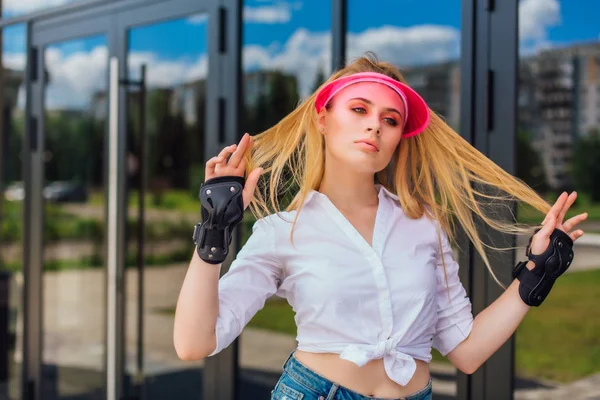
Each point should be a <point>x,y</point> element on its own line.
<point>74,331</point>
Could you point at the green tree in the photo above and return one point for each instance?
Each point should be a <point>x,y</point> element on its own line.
<point>586,164</point>
<point>283,96</point>
<point>319,79</point>
<point>529,163</point>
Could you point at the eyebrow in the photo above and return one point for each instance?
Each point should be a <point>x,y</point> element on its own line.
<point>369,102</point>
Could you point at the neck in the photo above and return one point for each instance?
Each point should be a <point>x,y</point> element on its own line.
<point>349,190</point>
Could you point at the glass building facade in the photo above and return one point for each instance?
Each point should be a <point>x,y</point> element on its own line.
<point>111,108</point>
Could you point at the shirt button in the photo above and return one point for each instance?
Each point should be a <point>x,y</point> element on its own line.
<point>386,296</point>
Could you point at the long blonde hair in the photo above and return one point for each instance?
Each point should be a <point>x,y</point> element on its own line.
<point>436,173</point>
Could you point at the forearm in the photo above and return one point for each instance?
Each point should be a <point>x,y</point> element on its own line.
<point>492,327</point>
<point>197,310</point>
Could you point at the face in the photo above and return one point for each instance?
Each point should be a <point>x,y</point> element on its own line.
<point>363,126</point>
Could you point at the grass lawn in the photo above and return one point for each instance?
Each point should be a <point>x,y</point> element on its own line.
<point>559,341</point>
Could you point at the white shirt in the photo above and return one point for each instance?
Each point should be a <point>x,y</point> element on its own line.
<point>388,300</point>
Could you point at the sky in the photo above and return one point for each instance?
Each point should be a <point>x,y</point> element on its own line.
<point>293,35</point>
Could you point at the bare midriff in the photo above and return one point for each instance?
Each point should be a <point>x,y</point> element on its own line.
<point>369,380</point>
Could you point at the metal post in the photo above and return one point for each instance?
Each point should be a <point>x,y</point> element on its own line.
<point>339,23</point>
<point>488,123</point>
<point>141,230</point>
<point>141,238</point>
<point>113,386</point>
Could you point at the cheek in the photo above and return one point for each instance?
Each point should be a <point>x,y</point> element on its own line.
<point>391,141</point>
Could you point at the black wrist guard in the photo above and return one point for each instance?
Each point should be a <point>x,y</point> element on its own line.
<point>552,263</point>
<point>222,209</point>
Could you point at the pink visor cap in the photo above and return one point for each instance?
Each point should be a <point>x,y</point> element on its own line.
<point>417,111</point>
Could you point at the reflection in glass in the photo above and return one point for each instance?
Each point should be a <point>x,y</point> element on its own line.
<point>165,139</point>
<point>12,126</point>
<point>15,8</point>
<point>425,45</point>
<point>74,224</point>
<point>286,54</point>
<point>558,148</point>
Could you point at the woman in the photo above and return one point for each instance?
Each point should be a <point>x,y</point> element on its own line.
<point>376,184</point>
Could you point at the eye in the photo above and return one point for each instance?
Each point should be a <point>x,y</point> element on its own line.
<point>360,110</point>
<point>391,121</point>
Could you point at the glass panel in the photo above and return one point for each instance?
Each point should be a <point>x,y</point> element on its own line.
<point>286,55</point>
<point>74,228</point>
<point>169,170</point>
<point>14,8</point>
<point>558,148</point>
<point>12,127</point>
<point>425,45</point>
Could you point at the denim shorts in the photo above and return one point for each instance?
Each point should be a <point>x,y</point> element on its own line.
<point>298,382</point>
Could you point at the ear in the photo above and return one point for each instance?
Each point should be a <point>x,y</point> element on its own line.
<point>321,121</point>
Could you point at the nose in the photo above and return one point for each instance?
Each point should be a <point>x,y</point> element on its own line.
<point>374,128</point>
<point>374,124</point>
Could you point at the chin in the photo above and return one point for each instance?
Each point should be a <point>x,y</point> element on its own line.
<point>361,166</point>
<point>358,161</point>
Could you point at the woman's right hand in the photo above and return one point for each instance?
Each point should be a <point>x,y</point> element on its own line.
<point>235,166</point>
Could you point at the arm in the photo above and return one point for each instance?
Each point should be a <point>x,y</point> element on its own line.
<point>491,329</point>
<point>495,325</point>
<point>197,310</point>
<point>211,313</point>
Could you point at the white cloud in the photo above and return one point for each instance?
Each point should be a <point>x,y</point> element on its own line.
<point>415,45</point>
<point>536,17</point>
<point>167,73</point>
<point>198,19</point>
<point>306,51</point>
<point>14,61</point>
<point>301,55</point>
<point>273,14</point>
<point>74,77</point>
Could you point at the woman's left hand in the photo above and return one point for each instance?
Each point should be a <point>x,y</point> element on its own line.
<point>554,220</point>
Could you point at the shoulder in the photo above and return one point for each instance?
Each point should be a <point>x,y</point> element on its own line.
<point>274,224</point>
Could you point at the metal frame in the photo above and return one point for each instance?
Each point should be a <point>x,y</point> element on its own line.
<point>32,377</point>
<point>221,372</point>
<point>467,98</point>
<point>114,20</point>
<point>339,30</point>
<point>488,116</point>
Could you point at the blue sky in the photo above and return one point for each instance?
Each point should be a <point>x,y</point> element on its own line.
<point>580,22</point>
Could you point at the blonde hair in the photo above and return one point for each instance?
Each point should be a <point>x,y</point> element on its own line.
<point>436,173</point>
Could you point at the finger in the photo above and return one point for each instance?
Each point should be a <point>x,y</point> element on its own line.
<point>555,209</point>
<point>244,159</point>
<point>576,234</point>
<point>250,185</point>
<point>569,224</point>
<point>210,166</point>
<point>238,154</point>
<point>570,200</point>
<point>550,224</point>
<point>227,151</point>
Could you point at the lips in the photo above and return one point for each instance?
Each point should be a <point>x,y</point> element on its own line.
<point>369,142</point>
